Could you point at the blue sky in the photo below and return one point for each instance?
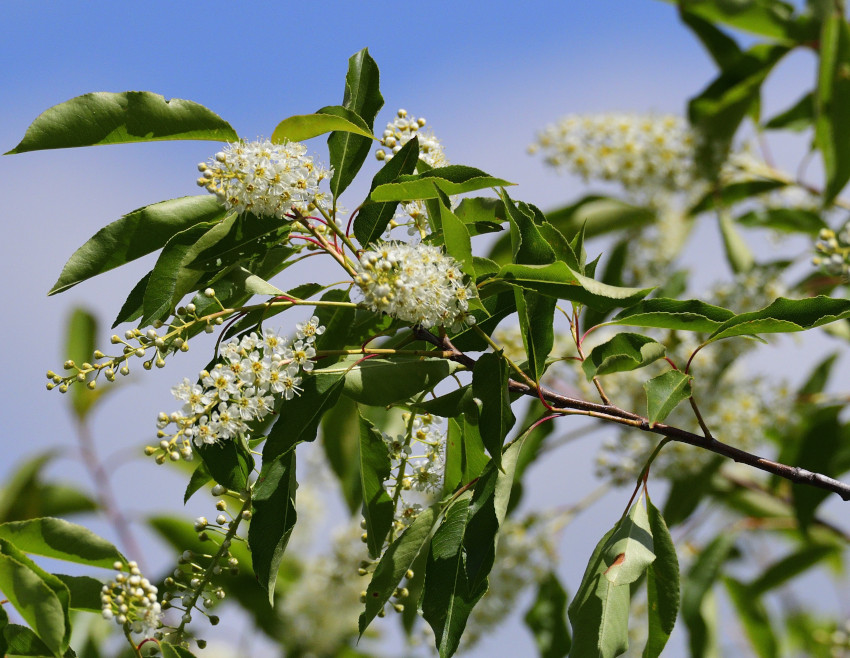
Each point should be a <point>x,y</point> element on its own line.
<point>485,75</point>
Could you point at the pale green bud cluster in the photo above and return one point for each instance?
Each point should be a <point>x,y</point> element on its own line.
<point>833,251</point>
<point>131,600</point>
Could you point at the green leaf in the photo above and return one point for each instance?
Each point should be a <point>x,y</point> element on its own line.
<point>697,586</point>
<point>490,386</point>
<point>449,405</point>
<point>734,193</point>
<point>448,597</point>
<point>623,352</point>
<point>487,510</point>
<point>375,468</point>
<point>119,118</point>
<point>458,243</point>
<point>86,592</point>
<point>23,642</point>
<point>819,450</point>
<point>79,347</point>
<point>719,109</point>
<point>527,244</point>
<point>818,377</point>
<point>481,214</point>
<point>599,613</point>
<point>785,220</point>
<point>738,254</point>
<point>832,105</point>
<point>341,443</point>
<point>41,599</point>
<point>200,476</point>
<point>372,219</point>
<point>560,281</point>
<point>797,118</point>
<point>273,518</point>
<point>465,455</point>
<point>763,17</point>
<point>547,618</point>
<point>789,567</point>
<point>175,273</point>
<point>631,548</point>
<point>612,276</point>
<point>135,235</point>
<point>453,179</point>
<point>683,315</point>
<point>62,540</point>
<point>665,392</point>
<point>228,462</point>
<point>363,98</point>
<point>395,562</point>
<point>536,314</point>
<point>300,417</point>
<point>662,581</point>
<point>599,215</point>
<point>305,126</point>
<point>723,49</point>
<point>784,316</point>
<point>753,616</point>
<point>379,382</point>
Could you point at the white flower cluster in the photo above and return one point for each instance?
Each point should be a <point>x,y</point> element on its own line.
<point>638,151</point>
<point>131,600</point>
<point>263,178</point>
<point>415,283</point>
<point>243,385</point>
<point>833,251</point>
<point>404,128</point>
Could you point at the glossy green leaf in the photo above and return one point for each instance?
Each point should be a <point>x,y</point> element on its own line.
<point>662,581</point>
<point>631,548</point>
<point>395,562</point>
<point>448,597</point>
<point>697,586</point>
<point>536,314</point>
<point>490,386</point>
<point>301,127</point>
<point>786,220</point>
<point>228,462</point>
<point>723,49</point>
<point>176,272</point>
<point>119,118</point>
<point>453,179</point>
<point>481,214</point>
<point>487,509</point>
<point>719,109</point>
<point>528,246</point>
<point>457,241</point>
<point>86,592</point>
<point>623,352</point>
<point>547,618</point>
<point>300,417</point>
<point>21,641</point>
<point>174,651</point>
<point>762,17</point>
<point>136,234</point>
<point>665,392</point>
<point>39,598</point>
<point>62,540</point>
<point>363,98</point>
<point>832,103</point>
<point>273,518</point>
<point>612,275</point>
<point>738,254</point>
<point>819,447</point>
<point>378,381</point>
<point>683,315</point>
<point>784,316</point>
<point>798,117</point>
<point>81,335</point>
<point>372,219</point>
<point>341,444</point>
<point>449,405</point>
<point>374,471</point>
<point>559,281</point>
<point>599,612</point>
<point>599,215</point>
<point>753,617</point>
<point>465,455</point>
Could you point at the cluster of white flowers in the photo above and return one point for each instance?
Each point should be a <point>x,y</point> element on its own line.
<point>404,128</point>
<point>833,251</point>
<point>263,178</point>
<point>638,151</point>
<point>415,283</point>
<point>418,462</point>
<point>252,372</point>
<point>131,600</point>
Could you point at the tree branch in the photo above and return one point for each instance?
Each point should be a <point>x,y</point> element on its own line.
<point>621,416</point>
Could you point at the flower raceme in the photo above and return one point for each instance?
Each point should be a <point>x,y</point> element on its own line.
<point>415,283</point>
<point>263,178</point>
<point>131,600</point>
<point>251,374</point>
